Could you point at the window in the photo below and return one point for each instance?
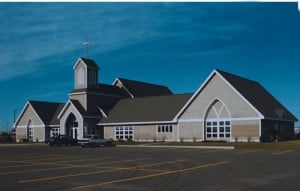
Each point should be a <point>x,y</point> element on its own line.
<point>80,77</point>
<point>75,124</point>
<point>30,133</point>
<point>54,131</point>
<point>92,77</point>
<point>164,128</point>
<point>218,129</point>
<point>124,133</point>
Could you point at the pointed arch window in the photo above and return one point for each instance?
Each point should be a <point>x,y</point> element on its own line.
<point>80,77</point>
<point>29,130</point>
<point>217,122</point>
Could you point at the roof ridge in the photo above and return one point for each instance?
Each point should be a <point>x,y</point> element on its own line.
<point>235,75</point>
<point>254,93</point>
<point>157,96</point>
<point>38,101</point>
<point>141,82</point>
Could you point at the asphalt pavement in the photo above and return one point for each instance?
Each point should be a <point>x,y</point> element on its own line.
<point>40,167</point>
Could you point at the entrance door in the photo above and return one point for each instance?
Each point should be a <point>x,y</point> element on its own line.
<point>72,126</point>
<point>74,133</point>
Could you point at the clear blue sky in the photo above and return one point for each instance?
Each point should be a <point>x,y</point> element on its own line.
<point>174,44</point>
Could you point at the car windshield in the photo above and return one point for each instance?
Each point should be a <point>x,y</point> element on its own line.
<point>88,136</point>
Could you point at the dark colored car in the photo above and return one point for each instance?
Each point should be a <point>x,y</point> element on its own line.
<point>97,141</point>
<point>61,140</point>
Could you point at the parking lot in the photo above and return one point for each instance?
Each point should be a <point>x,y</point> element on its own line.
<point>39,167</point>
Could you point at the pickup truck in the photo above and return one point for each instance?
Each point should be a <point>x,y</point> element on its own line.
<point>97,141</point>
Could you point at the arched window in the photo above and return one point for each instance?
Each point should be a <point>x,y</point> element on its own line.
<point>29,130</point>
<point>80,77</point>
<point>217,122</point>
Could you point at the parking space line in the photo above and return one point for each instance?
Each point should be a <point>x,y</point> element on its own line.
<point>282,152</point>
<point>82,174</point>
<point>49,169</point>
<point>185,150</point>
<point>214,151</point>
<point>150,176</point>
<point>22,155</point>
<point>28,164</point>
<point>141,167</point>
<point>54,158</point>
<point>113,169</point>
<point>26,158</point>
<point>148,165</point>
<point>81,160</point>
<point>34,163</point>
<point>249,151</point>
<point>70,165</point>
<point>34,170</point>
<point>113,162</point>
<point>148,170</point>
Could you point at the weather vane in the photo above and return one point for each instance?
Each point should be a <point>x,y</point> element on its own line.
<point>85,44</point>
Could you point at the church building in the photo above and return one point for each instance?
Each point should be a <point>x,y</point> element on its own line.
<point>226,107</point>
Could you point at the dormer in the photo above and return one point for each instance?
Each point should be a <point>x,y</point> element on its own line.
<point>86,73</point>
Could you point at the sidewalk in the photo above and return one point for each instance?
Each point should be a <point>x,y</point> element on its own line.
<point>181,147</point>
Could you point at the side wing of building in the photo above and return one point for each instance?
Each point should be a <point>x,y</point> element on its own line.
<point>36,121</point>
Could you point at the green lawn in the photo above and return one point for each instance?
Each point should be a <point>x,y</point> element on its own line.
<point>286,145</point>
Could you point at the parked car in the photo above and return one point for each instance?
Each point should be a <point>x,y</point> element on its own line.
<point>97,141</point>
<point>84,139</point>
<point>61,140</point>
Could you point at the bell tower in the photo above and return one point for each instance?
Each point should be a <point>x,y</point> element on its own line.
<point>86,74</point>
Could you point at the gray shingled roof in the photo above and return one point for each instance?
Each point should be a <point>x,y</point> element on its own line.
<point>47,111</point>
<point>103,89</point>
<point>78,106</point>
<point>142,89</point>
<point>147,109</point>
<point>89,62</point>
<point>259,97</point>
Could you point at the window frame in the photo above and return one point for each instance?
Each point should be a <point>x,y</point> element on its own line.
<point>218,129</point>
<point>164,128</point>
<point>125,132</point>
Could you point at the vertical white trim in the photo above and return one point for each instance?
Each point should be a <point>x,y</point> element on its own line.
<point>203,130</point>
<point>173,126</point>
<point>85,100</point>
<point>260,128</point>
<point>156,131</point>
<point>178,126</point>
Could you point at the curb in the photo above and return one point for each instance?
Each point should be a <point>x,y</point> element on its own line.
<point>183,147</point>
<point>19,144</point>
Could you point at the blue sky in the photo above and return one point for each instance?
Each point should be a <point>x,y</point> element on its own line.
<point>174,44</point>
